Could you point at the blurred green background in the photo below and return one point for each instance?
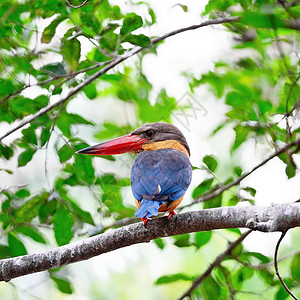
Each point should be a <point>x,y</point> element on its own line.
<point>232,89</point>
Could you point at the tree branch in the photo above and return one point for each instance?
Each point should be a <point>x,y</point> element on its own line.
<point>111,65</point>
<point>275,218</point>
<point>78,6</point>
<point>216,263</point>
<point>223,188</point>
<point>68,76</point>
<point>276,266</point>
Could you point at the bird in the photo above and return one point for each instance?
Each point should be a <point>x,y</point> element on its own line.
<point>161,172</point>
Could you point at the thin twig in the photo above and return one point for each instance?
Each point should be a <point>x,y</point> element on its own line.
<point>276,266</point>
<point>293,85</point>
<point>223,188</point>
<point>215,264</point>
<point>269,264</point>
<point>112,64</point>
<point>46,153</point>
<point>56,77</point>
<point>20,186</point>
<point>193,27</point>
<point>78,6</point>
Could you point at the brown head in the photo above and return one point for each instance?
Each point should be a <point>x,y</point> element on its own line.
<point>152,136</point>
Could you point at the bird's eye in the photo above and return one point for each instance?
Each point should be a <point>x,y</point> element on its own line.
<point>149,133</point>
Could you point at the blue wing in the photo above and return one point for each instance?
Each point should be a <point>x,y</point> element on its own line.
<point>157,177</point>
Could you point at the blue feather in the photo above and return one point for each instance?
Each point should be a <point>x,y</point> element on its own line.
<point>168,168</point>
<point>148,208</point>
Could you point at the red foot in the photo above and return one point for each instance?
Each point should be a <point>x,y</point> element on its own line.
<point>145,220</point>
<point>171,213</point>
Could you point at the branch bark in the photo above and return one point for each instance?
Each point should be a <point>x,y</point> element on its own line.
<point>111,65</point>
<point>267,219</point>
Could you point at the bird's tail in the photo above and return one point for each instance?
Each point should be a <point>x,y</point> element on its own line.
<point>151,204</point>
<point>148,208</point>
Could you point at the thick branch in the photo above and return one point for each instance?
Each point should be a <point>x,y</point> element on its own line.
<point>111,65</point>
<point>274,218</point>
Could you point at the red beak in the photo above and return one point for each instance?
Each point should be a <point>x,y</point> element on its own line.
<point>122,144</point>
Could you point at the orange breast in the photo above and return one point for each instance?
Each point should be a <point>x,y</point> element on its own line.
<point>171,144</point>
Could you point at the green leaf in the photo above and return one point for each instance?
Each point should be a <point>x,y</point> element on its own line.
<point>30,209</point>
<point>6,87</point>
<point>139,40</point>
<point>65,153</point>
<point>29,135</point>
<point>234,200</point>
<point>111,130</point>
<point>90,91</point>
<point>131,23</point>
<point>241,134</point>
<point>240,276</point>
<point>77,119</point>
<point>202,238</point>
<point>70,51</point>
<point>204,186</point>
<point>8,171</point>
<point>16,246</point>
<point>214,202</point>
<point>295,270</point>
<point>182,240</point>
<point>173,278</point>
<point>45,135</point>
<point>282,293</point>
<point>5,252</point>
<point>63,284</point>
<point>47,210</point>
<point>258,20</point>
<point>63,223</point>
<point>264,259</point>
<point>160,243</point>
<point>238,171</point>
<point>238,250</point>
<point>152,15</point>
<point>266,275</point>
<point>65,120</point>
<point>6,151</point>
<point>210,289</point>
<point>54,69</point>
<point>84,169</point>
<point>25,157</point>
<point>251,190</point>
<point>82,214</point>
<point>109,42</point>
<point>290,170</point>
<point>64,125</point>
<point>184,7</point>
<point>210,162</point>
<point>22,193</point>
<point>31,232</point>
<point>49,31</point>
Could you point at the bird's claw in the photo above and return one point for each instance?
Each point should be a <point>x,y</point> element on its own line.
<point>145,220</point>
<point>171,213</point>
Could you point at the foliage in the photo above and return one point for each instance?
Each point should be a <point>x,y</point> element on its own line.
<point>259,87</point>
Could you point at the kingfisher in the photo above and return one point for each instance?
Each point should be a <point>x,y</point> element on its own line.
<point>162,171</point>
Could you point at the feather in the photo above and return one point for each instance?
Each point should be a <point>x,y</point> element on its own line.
<point>159,177</point>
